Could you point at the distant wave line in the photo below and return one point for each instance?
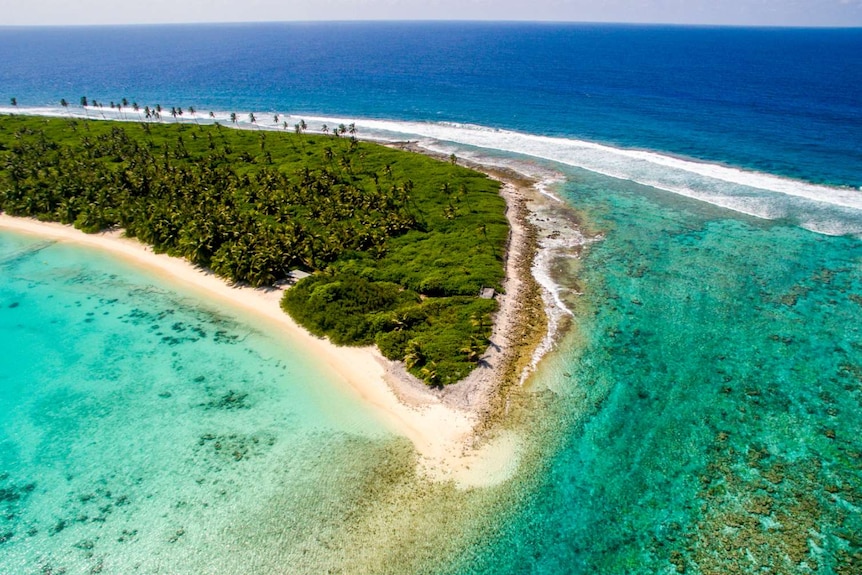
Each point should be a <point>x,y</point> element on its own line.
<point>733,188</point>
<point>603,159</point>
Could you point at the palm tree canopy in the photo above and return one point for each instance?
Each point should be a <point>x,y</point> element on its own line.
<point>239,213</point>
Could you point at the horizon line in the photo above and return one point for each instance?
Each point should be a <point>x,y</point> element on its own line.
<point>440,21</point>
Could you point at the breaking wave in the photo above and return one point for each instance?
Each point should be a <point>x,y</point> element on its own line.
<point>819,208</point>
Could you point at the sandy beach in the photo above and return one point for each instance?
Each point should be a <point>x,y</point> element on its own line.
<point>441,424</point>
<point>439,432</point>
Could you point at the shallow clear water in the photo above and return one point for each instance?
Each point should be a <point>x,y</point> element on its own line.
<point>145,430</point>
<point>711,392</point>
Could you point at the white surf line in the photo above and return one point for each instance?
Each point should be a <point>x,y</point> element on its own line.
<point>680,176</point>
<point>620,163</point>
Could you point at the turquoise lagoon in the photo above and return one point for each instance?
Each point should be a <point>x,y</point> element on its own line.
<point>144,430</point>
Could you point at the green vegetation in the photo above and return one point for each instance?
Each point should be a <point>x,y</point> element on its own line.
<point>400,244</point>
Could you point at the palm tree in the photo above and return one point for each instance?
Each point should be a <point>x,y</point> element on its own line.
<point>251,117</point>
<point>446,189</point>
<point>429,374</point>
<point>14,102</point>
<point>450,211</point>
<point>192,112</point>
<point>65,105</point>
<point>480,321</point>
<point>324,129</point>
<point>233,117</point>
<point>413,354</point>
<point>463,195</point>
<point>84,103</point>
<point>474,350</point>
<point>275,119</point>
<point>344,163</point>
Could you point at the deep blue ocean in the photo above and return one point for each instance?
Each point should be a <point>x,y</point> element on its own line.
<point>703,413</point>
<point>782,101</point>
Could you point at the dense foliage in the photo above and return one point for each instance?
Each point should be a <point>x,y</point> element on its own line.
<point>399,244</point>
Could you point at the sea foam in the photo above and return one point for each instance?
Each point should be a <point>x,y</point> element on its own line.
<point>823,209</point>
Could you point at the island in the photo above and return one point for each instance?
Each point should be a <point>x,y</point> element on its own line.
<point>411,255</point>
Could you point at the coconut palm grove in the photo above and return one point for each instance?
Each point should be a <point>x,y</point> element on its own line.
<point>399,245</point>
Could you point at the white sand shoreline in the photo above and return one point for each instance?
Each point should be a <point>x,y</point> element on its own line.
<point>441,433</point>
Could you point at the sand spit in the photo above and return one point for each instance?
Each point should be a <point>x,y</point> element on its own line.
<point>532,316</point>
